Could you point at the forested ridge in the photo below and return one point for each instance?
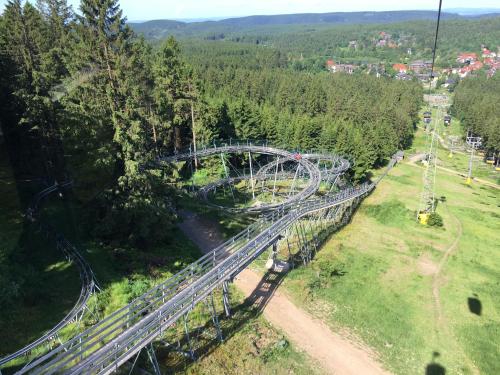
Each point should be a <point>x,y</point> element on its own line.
<point>86,96</point>
<point>476,104</point>
<point>307,46</point>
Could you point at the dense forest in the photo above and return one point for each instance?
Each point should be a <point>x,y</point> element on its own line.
<point>85,97</point>
<point>306,46</point>
<point>476,105</point>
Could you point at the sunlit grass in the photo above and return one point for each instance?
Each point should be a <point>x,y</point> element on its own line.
<point>385,294</point>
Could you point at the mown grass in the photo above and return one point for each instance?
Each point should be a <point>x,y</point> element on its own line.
<point>458,161</point>
<point>383,295</point>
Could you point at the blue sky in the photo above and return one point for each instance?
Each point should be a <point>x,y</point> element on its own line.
<point>175,9</point>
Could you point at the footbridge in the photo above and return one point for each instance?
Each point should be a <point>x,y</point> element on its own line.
<point>120,337</point>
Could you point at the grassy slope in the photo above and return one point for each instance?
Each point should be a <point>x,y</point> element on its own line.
<point>460,161</point>
<point>384,294</point>
<point>35,267</point>
<point>251,346</point>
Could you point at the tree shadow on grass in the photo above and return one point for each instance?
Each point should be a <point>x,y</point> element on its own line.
<point>475,306</point>
<point>434,368</point>
<point>241,314</point>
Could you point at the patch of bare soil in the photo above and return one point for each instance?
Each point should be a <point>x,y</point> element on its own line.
<point>335,353</point>
<point>426,266</point>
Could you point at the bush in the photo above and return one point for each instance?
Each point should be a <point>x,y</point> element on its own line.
<point>435,220</point>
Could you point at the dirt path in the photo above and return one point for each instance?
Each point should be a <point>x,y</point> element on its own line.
<point>418,157</point>
<point>437,282</point>
<point>335,353</point>
<point>437,279</point>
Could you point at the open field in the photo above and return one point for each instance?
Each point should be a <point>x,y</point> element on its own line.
<point>459,160</point>
<point>419,296</point>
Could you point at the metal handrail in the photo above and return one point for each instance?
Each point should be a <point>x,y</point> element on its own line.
<point>87,277</point>
<point>103,347</point>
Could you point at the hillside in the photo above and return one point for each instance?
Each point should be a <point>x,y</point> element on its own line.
<point>157,29</point>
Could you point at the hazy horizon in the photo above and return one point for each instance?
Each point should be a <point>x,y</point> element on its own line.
<point>194,11</point>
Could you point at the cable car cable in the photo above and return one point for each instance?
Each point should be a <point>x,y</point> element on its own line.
<point>435,44</point>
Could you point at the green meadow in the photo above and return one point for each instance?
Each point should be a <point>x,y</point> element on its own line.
<point>425,298</point>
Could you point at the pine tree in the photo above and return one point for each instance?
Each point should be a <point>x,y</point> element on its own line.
<point>28,44</point>
<point>175,96</point>
<point>116,102</point>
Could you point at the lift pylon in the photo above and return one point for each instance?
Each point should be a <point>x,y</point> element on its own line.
<point>427,199</point>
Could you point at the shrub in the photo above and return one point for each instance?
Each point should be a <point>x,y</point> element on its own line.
<point>435,220</point>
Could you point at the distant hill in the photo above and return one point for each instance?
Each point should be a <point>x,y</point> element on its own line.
<point>158,29</point>
<point>473,11</point>
<point>334,18</point>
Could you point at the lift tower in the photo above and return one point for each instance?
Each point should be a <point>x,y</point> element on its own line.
<point>427,199</point>
<point>474,143</point>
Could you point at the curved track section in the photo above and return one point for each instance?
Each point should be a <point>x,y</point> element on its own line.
<point>329,165</point>
<point>107,345</point>
<point>88,280</point>
<point>312,173</point>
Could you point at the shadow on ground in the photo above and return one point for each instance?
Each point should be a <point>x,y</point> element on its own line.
<point>434,368</point>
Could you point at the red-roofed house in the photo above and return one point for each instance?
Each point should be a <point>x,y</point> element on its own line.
<point>330,65</point>
<point>487,53</point>
<point>400,68</point>
<point>464,72</point>
<point>488,61</point>
<point>477,65</point>
<point>467,57</point>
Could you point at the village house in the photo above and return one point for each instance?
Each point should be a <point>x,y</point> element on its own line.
<point>467,58</point>
<point>353,44</point>
<point>486,53</point>
<point>376,69</point>
<point>488,61</point>
<point>466,70</point>
<point>449,82</point>
<point>420,66</point>
<point>400,68</point>
<point>346,68</point>
<point>336,68</point>
<point>403,77</point>
<point>385,36</point>
<point>494,67</point>
<point>385,40</point>
<point>330,65</point>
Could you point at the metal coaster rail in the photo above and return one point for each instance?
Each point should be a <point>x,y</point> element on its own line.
<point>105,346</point>
<point>87,277</point>
<point>263,147</point>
